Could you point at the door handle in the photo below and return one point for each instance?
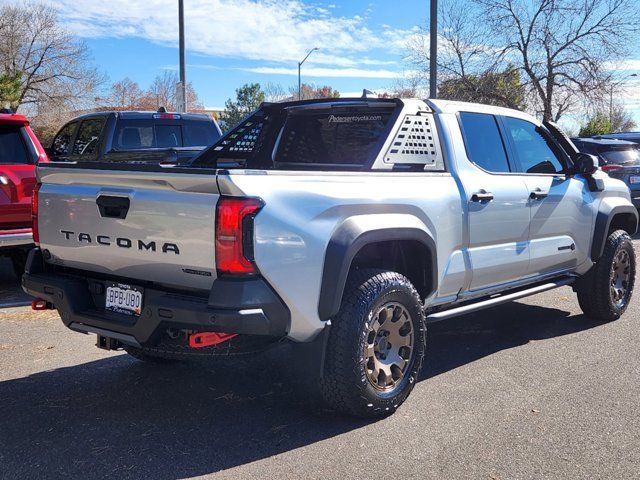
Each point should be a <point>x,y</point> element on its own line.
<point>538,194</point>
<point>113,207</point>
<point>482,196</point>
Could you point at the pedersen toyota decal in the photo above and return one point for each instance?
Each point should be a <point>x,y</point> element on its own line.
<point>121,242</point>
<point>354,118</point>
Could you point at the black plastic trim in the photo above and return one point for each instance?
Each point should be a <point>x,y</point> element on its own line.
<point>603,222</point>
<point>345,243</point>
<point>244,306</point>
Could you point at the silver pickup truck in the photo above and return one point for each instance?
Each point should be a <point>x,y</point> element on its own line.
<point>342,226</point>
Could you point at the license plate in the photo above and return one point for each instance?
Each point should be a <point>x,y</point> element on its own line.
<point>633,179</point>
<point>123,298</point>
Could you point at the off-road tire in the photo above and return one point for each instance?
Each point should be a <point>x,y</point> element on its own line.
<point>345,385</point>
<point>594,289</point>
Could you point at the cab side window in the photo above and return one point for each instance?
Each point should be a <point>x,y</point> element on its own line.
<point>88,138</point>
<point>536,153</point>
<point>483,142</point>
<point>61,146</point>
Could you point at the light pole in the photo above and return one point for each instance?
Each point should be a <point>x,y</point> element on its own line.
<point>183,80</point>
<point>433,49</point>
<point>299,72</point>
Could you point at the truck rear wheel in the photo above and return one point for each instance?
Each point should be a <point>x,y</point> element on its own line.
<point>376,345</point>
<point>605,291</point>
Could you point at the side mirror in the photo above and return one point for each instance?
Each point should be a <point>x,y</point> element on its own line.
<point>585,164</point>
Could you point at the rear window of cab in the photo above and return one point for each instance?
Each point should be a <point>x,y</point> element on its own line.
<point>13,149</point>
<point>145,134</point>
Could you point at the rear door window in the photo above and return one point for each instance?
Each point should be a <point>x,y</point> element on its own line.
<point>343,139</point>
<point>88,138</point>
<point>12,146</point>
<point>61,146</point>
<point>483,142</point>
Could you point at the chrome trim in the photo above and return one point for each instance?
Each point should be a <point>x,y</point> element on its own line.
<point>15,239</point>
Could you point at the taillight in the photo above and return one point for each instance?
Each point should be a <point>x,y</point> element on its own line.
<point>34,215</point>
<point>234,235</point>
<point>611,167</point>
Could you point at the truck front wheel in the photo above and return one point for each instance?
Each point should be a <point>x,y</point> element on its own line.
<point>376,345</point>
<point>604,291</point>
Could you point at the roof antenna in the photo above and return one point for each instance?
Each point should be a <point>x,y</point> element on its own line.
<point>162,110</point>
<point>368,94</point>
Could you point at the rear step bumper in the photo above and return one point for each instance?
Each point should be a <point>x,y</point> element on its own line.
<point>243,306</point>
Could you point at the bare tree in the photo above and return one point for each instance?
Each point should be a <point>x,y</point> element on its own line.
<point>621,120</point>
<point>311,91</point>
<point>125,95</point>
<point>561,47</point>
<point>465,60</point>
<point>274,92</point>
<point>53,65</point>
<point>162,93</point>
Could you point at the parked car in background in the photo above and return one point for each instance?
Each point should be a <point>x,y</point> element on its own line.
<point>628,136</point>
<point>140,137</point>
<point>619,158</point>
<point>20,151</point>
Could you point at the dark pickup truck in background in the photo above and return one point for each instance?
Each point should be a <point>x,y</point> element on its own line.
<point>134,137</point>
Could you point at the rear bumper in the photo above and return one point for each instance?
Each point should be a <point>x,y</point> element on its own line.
<point>244,306</point>
<point>15,238</point>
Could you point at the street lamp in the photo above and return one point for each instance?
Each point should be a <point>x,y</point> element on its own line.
<point>299,74</point>
<point>433,49</point>
<point>182,86</point>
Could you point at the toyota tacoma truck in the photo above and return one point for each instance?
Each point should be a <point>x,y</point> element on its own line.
<point>342,226</point>
<point>20,151</point>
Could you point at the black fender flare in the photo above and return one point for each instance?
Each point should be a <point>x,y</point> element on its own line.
<point>602,224</point>
<point>345,243</point>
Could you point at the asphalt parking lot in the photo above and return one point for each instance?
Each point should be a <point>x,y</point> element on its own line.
<point>531,389</point>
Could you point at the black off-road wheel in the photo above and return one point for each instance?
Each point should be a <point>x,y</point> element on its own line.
<point>376,345</point>
<point>605,291</point>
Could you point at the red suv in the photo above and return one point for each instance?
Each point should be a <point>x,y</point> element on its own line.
<point>20,151</point>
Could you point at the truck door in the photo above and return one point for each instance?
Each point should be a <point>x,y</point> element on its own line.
<point>497,200</point>
<point>561,217</point>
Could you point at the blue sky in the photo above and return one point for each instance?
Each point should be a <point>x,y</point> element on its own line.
<point>231,42</point>
<point>361,42</point>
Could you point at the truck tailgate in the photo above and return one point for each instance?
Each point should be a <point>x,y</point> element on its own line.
<point>149,226</point>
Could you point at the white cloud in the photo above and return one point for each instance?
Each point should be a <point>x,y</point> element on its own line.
<point>326,72</point>
<point>261,30</point>
<point>624,65</point>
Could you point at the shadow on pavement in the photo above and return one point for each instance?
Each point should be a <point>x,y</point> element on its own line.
<point>119,417</point>
<point>11,293</point>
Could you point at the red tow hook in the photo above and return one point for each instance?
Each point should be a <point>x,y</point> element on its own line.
<point>208,339</point>
<point>40,304</point>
